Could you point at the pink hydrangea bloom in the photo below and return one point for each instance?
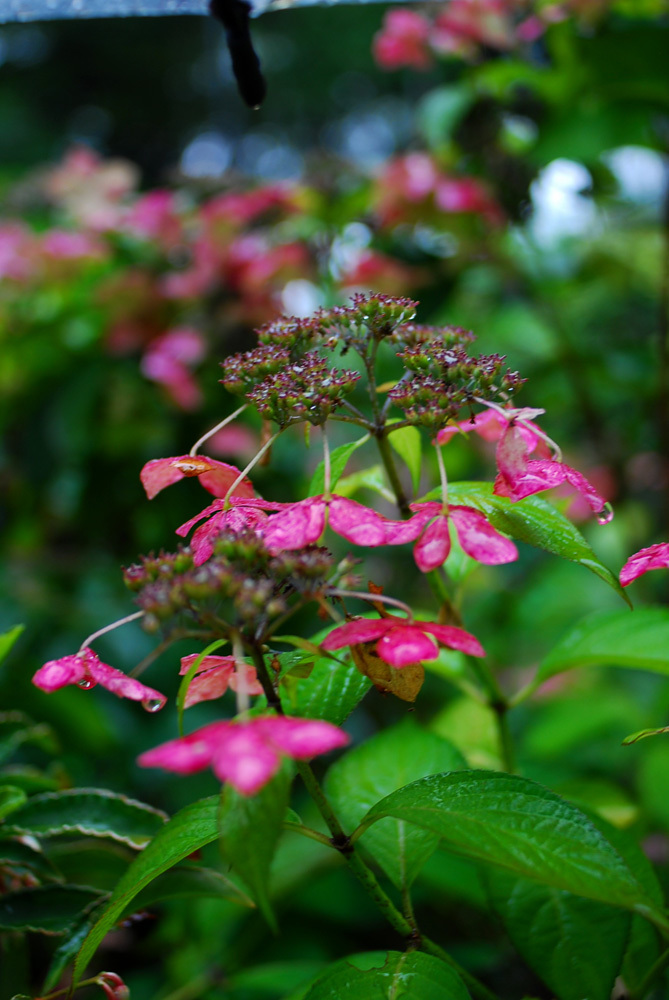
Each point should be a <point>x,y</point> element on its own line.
<point>303,523</point>
<point>216,477</point>
<point>246,754</point>
<point>654,557</point>
<point>214,676</point>
<point>403,40</point>
<point>86,669</point>
<point>491,424</point>
<point>221,517</point>
<point>402,641</point>
<point>477,537</point>
<point>520,476</point>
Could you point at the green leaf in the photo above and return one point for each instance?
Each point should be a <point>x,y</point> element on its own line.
<point>516,824</point>
<point>10,799</point>
<point>16,854</point>
<point>372,478</point>
<point>383,764</point>
<point>51,909</point>
<point>440,111</point>
<point>535,521</point>
<point>407,443</point>
<point>391,975</point>
<point>89,811</point>
<point>338,461</point>
<point>330,692</point>
<point>250,830</point>
<point>639,639</point>
<point>575,945</point>
<point>187,831</point>
<point>7,640</point>
<point>185,881</point>
<point>66,952</point>
<point>16,728</point>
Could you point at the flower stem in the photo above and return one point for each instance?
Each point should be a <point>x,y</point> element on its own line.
<point>218,427</point>
<point>391,470</point>
<point>273,699</point>
<point>109,628</point>
<point>499,704</point>
<point>254,461</point>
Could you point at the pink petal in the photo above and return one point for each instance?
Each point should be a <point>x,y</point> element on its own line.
<point>208,686</point>
<point>512,455</point>
<point>57,673</point>
<point>594,500</point>
<point>455,638</point>
<point>360,630</point>
<point>245,758</point>
<point>190,753</point>
<point>299,524</point>
<point>208,663</point>
<point>479,539</point>
<point>357,523</point>
<point>432,548</point>
<point>213,508</point>
<point>301,738</point>
<point>248,684</point>
<point>216,477</point>
<point>405,644</point>
<point>654,557</point>
<point>125,687</point>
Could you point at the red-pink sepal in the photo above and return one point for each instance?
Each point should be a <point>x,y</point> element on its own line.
<point>491,425</point>
<point>401,641</point>
<point>654,557</point>
<point>242,514</point>
<point>86,669</point>
<point>214,676</point>
<point>477,537</point>
<point>520,476</point>
<point>216,477</point>
<point>113,986</point>
<point>246,754</point>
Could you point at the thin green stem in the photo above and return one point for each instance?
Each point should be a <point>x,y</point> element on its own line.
<point>651,976</point>
<point>109,628</point>
<point>218,427</point>
<point>391,470</point>
<point>500,706</point>
<point>273,699</point>
<point>307,831</point>
<point>254,461</point>
<point>476,988</point>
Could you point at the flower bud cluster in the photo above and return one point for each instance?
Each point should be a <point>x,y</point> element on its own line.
<point>415,334</point>
<point>370,318</point>
<point>242,584</point>
<point>444,379</point>
<point>243,371</point>
<point>305,390</point>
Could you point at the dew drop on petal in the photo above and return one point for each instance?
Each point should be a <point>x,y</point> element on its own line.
<point>152,704</point>
<point>86,683</point>
<point>605,515</point>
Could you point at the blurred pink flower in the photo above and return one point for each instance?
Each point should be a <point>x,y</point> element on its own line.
<point>17,252</point>
<point>402,641</point>
<point>477,537</point>
<point>166,361</point>
<point>491,425</point>
<point>216,477</point>
<point>246,754</point>
<point>654,557</point>
<point>86,670</point>
<point>154,217</point>
<point>66,244</point>
<point>214,676</point>
<point>403,40</point>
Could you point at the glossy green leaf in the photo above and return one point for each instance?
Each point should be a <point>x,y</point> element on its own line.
<point>379,766</point>
<point>575,945</point>
<point>187,831</point>
<point>389,975</point>
<point>407,443</point>
<point>11,798</point>
<point>331,691</point>
<point>17,855</point>
<point>534,521</point>
<point>185,881</point>
<point>50,909</point>
<point>516,824</point>
<point>250,830</point>
<point>372,478</point>
<point>639,639</point>
<point>66,951</point>
<point>7,640</point>
<point>91,812</point>
<point>338,461</point>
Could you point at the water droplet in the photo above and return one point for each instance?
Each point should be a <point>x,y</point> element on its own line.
<point>86,683</point>
<point>605,515</point>
<point>152,704</point>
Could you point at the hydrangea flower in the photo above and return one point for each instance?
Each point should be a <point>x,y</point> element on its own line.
<point>216,477</point>
<point>221,517</point>
<point>520,476</point>
<point>477,537</point>
<point>246,754</point>
<point>490,424</point>
<point>402,641</point>
<point>86,670</point>
<point>214,676</point>
<point>654,557</point>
